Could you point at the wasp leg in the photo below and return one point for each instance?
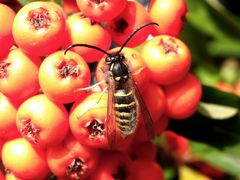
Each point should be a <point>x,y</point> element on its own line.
<point>104,90</point>
<point>90,87</point>
<point>94,104</point>
<point>138,71</point>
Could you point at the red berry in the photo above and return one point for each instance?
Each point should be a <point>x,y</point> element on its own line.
<point>183,97</point>
<point>72,160</point>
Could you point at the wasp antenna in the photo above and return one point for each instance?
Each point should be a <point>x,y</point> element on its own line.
<point>134,32</point>
<point>86,45</point>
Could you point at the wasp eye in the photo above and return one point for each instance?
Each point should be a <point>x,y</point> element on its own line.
<point>108,59</point>
<point>121,56</point>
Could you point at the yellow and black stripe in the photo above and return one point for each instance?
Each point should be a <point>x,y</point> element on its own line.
<point>125,107</point>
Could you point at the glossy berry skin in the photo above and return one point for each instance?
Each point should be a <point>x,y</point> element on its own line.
<point>146,150</point>
<point>11,176</point>
<point>169,14</point>
<point>84,114</point>
<point>113,165</point>
<point>19,75</point>
<point>6,38</point>
<point>132,17</point>
<point>33,160</point>
<point>70,6</point>
<point>42,121</point>
<point>81,29</point>
<point>72,160</point>
<point>103,10</point>
<point>147,168</point>
<point>167,58</point>
<point>8,111</point>
<point>176,145</point>
<point>155,100</point>
<point>68,73</point>
<point>42,27</point>
<point>1,176</point>
<point>183,97</point>
<point>159,127</point>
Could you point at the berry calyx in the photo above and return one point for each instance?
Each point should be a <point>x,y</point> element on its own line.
<point>76,169</point>
<point>96,129</point>
<point>39,18</point>
<point>169,45</point>
<point>29,131</point>
<point>68,68</point>
<point>4,69</point>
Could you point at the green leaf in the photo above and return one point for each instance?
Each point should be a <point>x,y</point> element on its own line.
<point>230,48</point>
<point>169,173</point>
<point>207,73</point>
<point>196,41</point>
<point>226,15</point>
<point>211,22</point>
<point>216,111</point>
<point>229,71</point>
<point>227,162</point>
<point>212,95</point>
<point>24,2</point>
<point>223,135</point>
<point>216,142</point>
<point>199,13</point>
<point>60,2</point>
<point>213,32</point>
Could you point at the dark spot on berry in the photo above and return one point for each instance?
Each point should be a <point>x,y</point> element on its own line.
<point>120,25</point>
<point>121,173</point>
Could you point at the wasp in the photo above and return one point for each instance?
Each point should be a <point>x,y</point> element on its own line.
<point>124,99</point>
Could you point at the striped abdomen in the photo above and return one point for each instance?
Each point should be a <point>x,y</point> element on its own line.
<point>126,111</point>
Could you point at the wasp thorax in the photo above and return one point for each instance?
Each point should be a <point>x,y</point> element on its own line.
<point>119,71</point>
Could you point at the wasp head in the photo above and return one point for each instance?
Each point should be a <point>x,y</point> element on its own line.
<point>114,58</point>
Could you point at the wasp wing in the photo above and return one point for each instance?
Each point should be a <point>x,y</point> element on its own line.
<point>111,118</point>
<point>148,122</point>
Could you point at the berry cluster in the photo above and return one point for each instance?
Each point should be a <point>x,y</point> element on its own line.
<point>54,122</point>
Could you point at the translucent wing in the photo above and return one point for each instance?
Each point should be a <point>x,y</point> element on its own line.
<point>148,123</point>
<point>111,119</point>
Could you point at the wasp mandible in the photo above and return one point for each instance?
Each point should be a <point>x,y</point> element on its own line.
<point>124,100</point>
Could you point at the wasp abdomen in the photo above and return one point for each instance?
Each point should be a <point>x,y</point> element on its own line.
<point>125,107</point>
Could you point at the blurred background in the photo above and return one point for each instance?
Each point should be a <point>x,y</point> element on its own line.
<point>212,32</point>
<point>207,145</point>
